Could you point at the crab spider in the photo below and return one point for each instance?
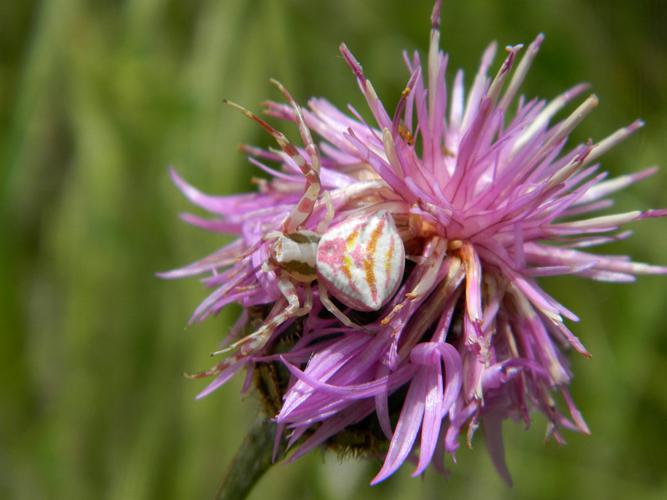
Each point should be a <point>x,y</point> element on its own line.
<point>359,261</point>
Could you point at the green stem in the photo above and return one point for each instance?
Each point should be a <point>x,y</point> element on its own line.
<point>251,461</point>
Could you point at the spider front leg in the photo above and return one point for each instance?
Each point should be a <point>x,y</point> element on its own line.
<point>310,170</point>
<point>329,215</point>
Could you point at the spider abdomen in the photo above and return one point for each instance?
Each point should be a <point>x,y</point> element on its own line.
<point>361,261</point>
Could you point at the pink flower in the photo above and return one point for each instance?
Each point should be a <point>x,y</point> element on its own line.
<point>482,197</point>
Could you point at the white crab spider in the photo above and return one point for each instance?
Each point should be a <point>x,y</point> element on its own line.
<point>360,261</point>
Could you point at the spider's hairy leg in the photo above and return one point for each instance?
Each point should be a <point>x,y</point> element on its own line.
<point>333,308</point>
<point>254,342</point>
<point>328,217</point>
<point>310,169</point>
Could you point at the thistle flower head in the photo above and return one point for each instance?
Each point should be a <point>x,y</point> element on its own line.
<point>389,269</point>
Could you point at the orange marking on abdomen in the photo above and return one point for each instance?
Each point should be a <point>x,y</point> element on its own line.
<point>387,259</point>
<point>351,240</point>
<point>369,261</point>
<point>346,258</point>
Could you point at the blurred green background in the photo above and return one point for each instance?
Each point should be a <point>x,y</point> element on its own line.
<point>97,98</point>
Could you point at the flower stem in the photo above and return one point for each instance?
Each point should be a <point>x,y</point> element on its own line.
<point>251,461</point>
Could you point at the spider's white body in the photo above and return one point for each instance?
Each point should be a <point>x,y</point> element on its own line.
<point>359,261</point>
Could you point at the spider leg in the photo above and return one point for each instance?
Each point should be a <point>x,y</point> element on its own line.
<point>328,217</point>
<point>333,308</point>
<point>225,363</point>
<point>252,343</point>
<point>311,171</point>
